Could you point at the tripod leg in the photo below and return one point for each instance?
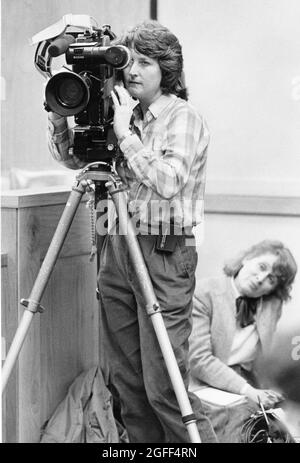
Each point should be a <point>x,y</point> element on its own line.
<point>154,312</point>
<point>33,303</point>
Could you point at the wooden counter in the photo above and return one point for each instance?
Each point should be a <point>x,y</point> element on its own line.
<point>62,341</point>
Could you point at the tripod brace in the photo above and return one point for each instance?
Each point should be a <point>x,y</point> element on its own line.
<point>83,184</point>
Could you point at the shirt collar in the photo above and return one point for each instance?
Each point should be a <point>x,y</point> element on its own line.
<point>160,104</point>
<point>235,290</point>
<point>156,108</point>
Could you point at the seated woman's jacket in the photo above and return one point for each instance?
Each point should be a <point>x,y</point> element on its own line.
<point>214,324</point>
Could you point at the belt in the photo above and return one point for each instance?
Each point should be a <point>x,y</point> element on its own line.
<point>163,229</point>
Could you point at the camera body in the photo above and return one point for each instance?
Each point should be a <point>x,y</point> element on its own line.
<point>84,89</point>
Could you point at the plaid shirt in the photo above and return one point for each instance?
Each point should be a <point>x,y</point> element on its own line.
<point>164,162</point>
<point>60,138</point>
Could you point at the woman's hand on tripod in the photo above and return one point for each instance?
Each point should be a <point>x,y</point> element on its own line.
<point>123,107</point>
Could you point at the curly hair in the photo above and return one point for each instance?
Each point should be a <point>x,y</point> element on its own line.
<point>152,39</point>
<point>285,267</point>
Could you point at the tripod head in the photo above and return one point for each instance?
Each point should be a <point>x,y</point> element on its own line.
<point>100,174</point>
<point>98,171</point>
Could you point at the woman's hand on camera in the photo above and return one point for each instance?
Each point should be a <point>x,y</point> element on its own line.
<point>123,107</point>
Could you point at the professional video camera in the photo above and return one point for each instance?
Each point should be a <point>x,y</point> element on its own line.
<point>84,90</point>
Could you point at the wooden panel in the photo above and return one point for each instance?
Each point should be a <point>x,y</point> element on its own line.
<point>61,342</point>
<point>19,198</point>
<point>4,305</point>
<point>29,358</point>
<point>9,312</point>
<point>69,329</point>
<point>42,223</point>
<point>23,118</point>
<point>79,235</point>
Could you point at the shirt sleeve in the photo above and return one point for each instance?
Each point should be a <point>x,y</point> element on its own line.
<point>187,137</point>
<point>60,139</point>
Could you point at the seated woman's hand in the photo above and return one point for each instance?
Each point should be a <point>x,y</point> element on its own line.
<point>267,397</point>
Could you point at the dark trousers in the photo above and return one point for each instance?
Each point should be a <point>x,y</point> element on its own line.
<point>129,346</point>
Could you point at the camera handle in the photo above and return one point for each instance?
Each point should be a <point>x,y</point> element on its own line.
<point>32,305</point>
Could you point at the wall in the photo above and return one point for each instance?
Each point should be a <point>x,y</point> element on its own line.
<point>242,63</point>
<point>23,117</point>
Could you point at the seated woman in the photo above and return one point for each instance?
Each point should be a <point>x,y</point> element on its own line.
<point>234,320</point>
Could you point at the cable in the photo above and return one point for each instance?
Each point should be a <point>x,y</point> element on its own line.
<point>255,430</point>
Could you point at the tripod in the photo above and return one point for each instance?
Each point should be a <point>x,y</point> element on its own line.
<point>84,181</point>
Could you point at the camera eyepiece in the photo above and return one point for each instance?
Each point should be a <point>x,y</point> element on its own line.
<point>118,56</point>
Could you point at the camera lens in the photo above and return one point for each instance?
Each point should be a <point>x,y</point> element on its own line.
<point>67,93</point>
<point>70,92</point>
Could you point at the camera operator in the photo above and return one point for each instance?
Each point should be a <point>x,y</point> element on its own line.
<point>164,144</point>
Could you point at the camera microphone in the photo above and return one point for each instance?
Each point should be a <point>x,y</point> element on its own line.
<point>60,45</point>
